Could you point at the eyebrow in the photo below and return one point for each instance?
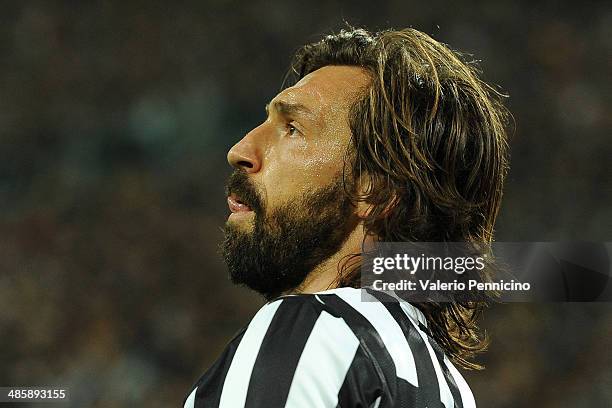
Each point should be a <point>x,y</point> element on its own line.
<point>288,108</point>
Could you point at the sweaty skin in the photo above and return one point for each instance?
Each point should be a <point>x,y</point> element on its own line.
<point>301,146</point>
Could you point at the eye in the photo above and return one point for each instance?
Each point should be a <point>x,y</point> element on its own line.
<point>292,131</point>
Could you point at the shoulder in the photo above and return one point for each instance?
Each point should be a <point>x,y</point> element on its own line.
<point>346,313</point>
<point>342,301</point>
<point>294,352</point>
<point>307,337</point>
<point>335,324</point>
<point>351,308</point>
<point>301,317</point>
<point>342,345</point>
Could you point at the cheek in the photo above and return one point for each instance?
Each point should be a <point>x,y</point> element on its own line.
<point>325,161</point>
<point>328,151</point>
<point>298,167</point>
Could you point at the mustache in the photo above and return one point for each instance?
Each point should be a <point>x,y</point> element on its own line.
<point>240,185</point>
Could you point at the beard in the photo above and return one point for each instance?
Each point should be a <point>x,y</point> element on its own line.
<point>287,242</point>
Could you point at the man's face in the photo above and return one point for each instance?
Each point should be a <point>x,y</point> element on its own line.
<point>289,209</point>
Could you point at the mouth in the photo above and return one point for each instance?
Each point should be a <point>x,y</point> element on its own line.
<point>236,205</point>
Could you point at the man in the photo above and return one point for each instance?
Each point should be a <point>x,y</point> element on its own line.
<point>384,137</point>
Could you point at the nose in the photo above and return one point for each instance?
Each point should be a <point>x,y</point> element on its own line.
<point>245,154</point>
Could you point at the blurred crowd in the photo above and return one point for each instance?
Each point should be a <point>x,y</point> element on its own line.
<point>115,119</point>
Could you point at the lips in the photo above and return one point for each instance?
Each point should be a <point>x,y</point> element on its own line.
<point>235,205</point>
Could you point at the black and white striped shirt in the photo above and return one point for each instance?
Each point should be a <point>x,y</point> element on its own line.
<point>333,349</point>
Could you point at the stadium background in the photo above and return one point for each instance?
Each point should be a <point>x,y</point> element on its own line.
<point>115,119</point>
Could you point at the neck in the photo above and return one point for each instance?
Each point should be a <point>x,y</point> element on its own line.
<point>325,275</point>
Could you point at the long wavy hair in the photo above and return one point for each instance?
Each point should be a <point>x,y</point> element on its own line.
<point>429,137</point>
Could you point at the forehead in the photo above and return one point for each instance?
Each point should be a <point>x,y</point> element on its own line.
<point>328,88</point>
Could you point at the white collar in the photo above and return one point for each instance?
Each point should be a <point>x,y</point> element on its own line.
<point>409,308</point>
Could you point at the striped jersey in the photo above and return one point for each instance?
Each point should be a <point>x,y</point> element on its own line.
<point>342,347</point>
